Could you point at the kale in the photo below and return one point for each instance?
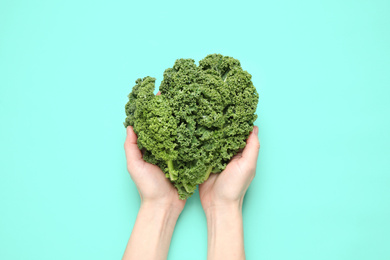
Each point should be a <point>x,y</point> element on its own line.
<point>199,122</point>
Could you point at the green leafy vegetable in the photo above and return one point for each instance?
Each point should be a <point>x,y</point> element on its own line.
<point>199,122</point>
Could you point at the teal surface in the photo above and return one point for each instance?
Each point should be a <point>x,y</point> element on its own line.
<point>322,69</point>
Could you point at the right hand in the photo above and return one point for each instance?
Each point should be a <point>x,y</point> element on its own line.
<point>228,188</point>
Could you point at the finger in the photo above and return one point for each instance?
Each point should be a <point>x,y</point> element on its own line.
<point>158,93</point>
<point>251,150</point>
<point>133,153</point>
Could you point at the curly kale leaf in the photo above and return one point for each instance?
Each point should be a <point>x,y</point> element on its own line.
<point>199,122</point>
<point>152,119</point>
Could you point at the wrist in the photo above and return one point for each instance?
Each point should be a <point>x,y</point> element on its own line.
<point>152,231</point>
<point>223,207</point>
<point>161,208</point>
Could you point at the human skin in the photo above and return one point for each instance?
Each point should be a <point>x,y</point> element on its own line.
<point>159,210</point>
<point>222,196</point>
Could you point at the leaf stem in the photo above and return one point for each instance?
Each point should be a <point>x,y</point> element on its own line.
<point>208,173</point>
<point>172,172</point>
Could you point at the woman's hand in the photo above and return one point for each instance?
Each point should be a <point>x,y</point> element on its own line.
<point>153,187</point>
<point>228,187</point>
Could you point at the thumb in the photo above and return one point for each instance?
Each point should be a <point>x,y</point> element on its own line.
<point>251,150</point>
<point>133,153</point>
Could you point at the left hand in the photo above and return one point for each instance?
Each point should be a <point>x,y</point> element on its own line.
<point>154,188</point>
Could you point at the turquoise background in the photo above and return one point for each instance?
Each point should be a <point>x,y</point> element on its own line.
<point>322,69</point>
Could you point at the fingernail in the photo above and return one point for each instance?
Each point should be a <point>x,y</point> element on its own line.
<point>128,129</point>
<point>256,130</point>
